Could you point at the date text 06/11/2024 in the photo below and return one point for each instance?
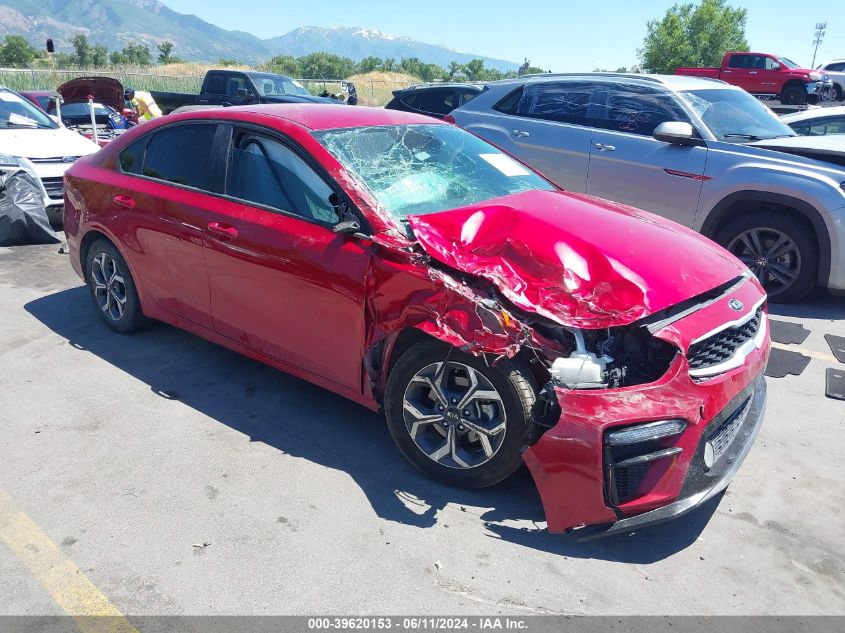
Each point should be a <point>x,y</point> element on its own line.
<point>430,623</point>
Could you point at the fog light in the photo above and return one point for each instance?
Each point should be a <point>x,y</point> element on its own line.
<point>646,432</point>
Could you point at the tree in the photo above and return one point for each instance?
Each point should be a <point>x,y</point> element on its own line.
<point>82,50</point>
<point>16,51</point>
<point>475,70</point>
<point>369,64</point>
<point>283,65</point>
<point>137,54</point>
<point>324,65</point>
<point>99,56</point>
<point>693,35</point>
<point>116,58</point>
<point>455,69</point>
<point>164,50</point>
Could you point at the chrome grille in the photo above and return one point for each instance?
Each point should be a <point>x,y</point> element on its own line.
<point>722,345</point>
<point>55,186</point>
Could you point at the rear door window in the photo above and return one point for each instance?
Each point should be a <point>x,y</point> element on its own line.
<point>566,102</point>
<point>181,154</point>
<point>215,84</point>
<point>438,101</point>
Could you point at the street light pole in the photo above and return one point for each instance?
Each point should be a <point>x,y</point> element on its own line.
<point>820,28</point>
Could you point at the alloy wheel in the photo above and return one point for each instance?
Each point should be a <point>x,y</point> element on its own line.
<point>109,286</point>
<point>771,255</point>
<point>454,415</point>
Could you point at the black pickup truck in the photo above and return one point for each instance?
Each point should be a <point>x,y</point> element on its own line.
<point>239,87</point>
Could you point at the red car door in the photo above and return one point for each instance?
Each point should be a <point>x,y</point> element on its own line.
<point>281,281</point>
<point>158,199</point>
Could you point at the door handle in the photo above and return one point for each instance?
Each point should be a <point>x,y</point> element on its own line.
<point>520,133</point>
<point>124,201</point>
<point>603,147</point>
<point>222,229</point>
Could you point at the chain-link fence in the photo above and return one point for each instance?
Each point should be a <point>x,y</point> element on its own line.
<point>370,92</point>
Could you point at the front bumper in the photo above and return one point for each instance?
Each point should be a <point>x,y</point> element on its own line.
<point>816,87</point>
<point>575,474</point>
<point>701,485</point>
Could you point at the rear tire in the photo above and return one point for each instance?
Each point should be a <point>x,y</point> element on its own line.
<point>779,249</point>
<point>112,288</point>
<point>429,414</point>
<point>794,95</point>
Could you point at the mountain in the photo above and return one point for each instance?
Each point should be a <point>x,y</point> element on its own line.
<point>116,23</point>
<point>357,43</point>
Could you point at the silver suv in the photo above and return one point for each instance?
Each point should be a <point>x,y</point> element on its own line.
<point>684,148</point>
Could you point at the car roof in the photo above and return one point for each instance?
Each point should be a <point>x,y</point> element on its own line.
<point>813,113</point>
<point>672,82</point>
<point>323,116</point>
<point>443,84</point>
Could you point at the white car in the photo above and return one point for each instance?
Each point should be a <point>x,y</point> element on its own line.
<point>818,121</point>
<point>34,142</point>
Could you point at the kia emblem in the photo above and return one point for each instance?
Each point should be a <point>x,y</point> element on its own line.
<point>736,304</point>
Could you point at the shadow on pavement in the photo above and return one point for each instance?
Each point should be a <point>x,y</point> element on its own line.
<point>819,304</point>
<point>303,420</point>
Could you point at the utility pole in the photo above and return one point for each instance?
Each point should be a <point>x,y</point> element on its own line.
<point>820,28</point>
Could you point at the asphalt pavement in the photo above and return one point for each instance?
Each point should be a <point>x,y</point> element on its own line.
<point>176,477</point>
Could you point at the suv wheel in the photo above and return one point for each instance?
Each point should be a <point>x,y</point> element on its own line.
<point>112,287</point>
<point>459,420</point>
<point>779,250</point>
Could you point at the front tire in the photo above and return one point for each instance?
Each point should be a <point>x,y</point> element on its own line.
<point>780,250</point>
<point>794,95</point>
<point>459,420</point>
<point>112,288</point>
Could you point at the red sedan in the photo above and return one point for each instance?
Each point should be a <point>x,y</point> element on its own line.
<point>414,268</point>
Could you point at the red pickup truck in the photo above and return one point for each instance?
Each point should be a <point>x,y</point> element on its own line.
<point>763,74</point>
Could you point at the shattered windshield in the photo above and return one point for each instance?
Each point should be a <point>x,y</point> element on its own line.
<point>421,169</point>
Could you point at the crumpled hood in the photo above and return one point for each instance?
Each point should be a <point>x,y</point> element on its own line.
<point>105,90</point>
<point>578,260</point>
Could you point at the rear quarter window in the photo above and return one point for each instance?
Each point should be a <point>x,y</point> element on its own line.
<point>181,154</point>
<point>132,158</point>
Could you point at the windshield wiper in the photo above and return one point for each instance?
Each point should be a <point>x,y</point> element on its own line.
<point>750,137</point>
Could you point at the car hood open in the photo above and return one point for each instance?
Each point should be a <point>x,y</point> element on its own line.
<point>105,90</point>
<point>578,260</point>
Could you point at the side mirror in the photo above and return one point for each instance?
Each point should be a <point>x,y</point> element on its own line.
<point>348,222</point>
<point>676,133</point>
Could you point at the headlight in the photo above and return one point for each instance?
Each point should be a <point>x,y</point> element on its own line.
<point>6,160</point>
<point>646,432</point>
<point>814,76</point>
